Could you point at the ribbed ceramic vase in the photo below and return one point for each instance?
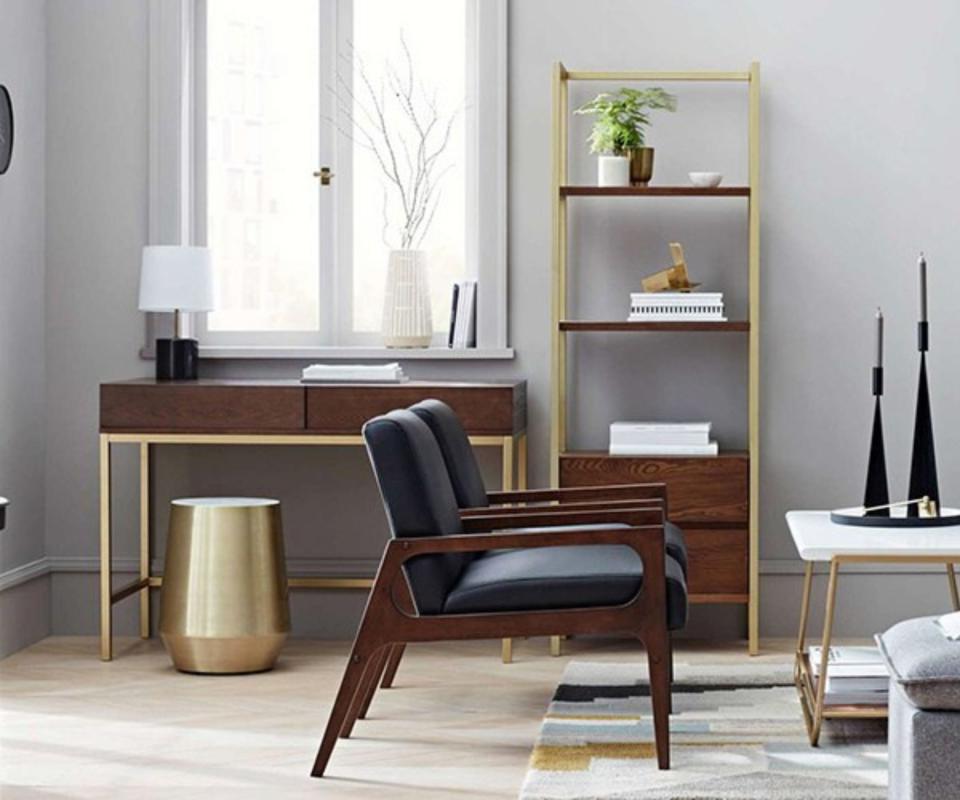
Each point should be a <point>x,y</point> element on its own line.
<point>407,319</point>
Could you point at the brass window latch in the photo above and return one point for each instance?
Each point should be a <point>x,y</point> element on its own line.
<point>324,174</point>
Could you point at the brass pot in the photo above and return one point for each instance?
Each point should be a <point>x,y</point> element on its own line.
<point>641,165</point>
<point>223,604</point>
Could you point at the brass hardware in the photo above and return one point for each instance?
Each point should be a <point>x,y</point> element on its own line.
<point>928,507</point>
<point>324,174</point>
<point>223,603</point>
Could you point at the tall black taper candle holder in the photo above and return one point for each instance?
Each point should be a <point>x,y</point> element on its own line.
<point>923,462</point>
<point>877,492</point>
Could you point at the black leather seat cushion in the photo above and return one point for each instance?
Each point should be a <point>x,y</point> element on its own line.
<point>545,578</point>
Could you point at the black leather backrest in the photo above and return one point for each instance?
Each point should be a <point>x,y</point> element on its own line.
<point>457,452</point>
<point>418,499</point>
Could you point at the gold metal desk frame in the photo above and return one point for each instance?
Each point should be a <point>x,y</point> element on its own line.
<point>514,467</point>
<point>811,690</point>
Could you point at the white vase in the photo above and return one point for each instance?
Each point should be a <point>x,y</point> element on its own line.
<point>407,318</point>
<point>613,171</point>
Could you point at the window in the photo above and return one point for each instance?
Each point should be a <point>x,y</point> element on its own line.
<point>403,101</point>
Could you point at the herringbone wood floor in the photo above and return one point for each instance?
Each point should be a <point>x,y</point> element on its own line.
<point>457,724</point>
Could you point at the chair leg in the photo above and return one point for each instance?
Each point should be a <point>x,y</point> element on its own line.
<point>658,655</point>
<point>358,663</point>
<point>670,657</point>
<point>393,662</point>
<point>364,694</point>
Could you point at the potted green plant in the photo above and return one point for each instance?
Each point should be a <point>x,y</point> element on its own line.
<point>618,134</point>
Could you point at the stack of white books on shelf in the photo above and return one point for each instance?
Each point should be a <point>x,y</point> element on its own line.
<point>353,373</point>
<point>676,307</point>
<point>661,439</point>
<point>855,675</point>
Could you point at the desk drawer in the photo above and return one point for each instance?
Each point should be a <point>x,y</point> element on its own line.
<point>198,408</point>
<point>493,410</point>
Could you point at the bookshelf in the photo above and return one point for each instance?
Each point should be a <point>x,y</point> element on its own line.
<point>714,500</point>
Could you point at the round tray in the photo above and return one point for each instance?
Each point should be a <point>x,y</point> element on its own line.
<point>898,519</point>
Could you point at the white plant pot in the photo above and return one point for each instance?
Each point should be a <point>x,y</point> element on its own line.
<point>613,171</point>
<point>407,318</point>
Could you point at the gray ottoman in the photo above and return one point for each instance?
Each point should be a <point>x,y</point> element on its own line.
<point>924,731</point>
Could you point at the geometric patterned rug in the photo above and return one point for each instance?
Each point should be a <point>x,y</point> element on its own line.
<point>736,733</point>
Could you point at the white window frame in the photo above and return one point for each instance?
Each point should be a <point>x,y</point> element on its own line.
<point>177,154</point>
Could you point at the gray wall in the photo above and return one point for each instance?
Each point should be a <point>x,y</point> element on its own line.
<point>860,118</point>
<point>22,70</point>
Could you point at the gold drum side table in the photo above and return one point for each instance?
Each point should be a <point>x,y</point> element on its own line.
<point>223,602</point>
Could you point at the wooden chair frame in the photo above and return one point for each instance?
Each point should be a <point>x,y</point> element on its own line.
<point>532,501</point>
<point>390,621</point>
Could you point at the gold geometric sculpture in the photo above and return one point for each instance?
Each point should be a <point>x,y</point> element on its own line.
<point>671,279</point>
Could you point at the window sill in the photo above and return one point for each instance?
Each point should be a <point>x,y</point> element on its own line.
<point>351,353</point>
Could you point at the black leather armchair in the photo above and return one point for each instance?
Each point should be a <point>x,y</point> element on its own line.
<point>444,576</point>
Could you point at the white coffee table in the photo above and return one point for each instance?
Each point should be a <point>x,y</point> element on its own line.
<point>818,539</point>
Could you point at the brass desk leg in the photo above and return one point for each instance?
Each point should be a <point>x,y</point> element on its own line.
<point>106,633</point>
<point>506,645</point>
<point>145,538</point>
<point>825,652</point>
<point>954,593</point>
<point>522,461</point>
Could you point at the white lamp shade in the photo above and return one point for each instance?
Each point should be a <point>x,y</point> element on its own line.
<point>174,278</point>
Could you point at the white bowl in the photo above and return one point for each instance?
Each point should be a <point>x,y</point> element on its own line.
<point>705,179</point>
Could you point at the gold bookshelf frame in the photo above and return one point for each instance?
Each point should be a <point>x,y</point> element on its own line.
<point>558,401</point>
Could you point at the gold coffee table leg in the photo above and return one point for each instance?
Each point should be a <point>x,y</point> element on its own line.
<point>825,652</point>
<point>954,592</point>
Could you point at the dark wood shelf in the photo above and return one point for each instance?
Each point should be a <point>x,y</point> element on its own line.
<point>654,191</point>
<point>612,326</point>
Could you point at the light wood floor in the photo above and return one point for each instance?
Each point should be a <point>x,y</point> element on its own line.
<point>457,724</point>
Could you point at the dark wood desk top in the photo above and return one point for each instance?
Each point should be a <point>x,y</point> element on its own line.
<point>145,405</point>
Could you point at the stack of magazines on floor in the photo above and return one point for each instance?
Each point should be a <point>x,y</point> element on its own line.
<point>855,675</point>
<point>353,373</point>
<point>661,439</point>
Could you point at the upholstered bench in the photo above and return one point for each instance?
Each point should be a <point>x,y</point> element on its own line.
<point>924,729</point>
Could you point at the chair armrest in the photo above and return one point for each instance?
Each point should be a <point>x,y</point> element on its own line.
<point>650,515</point>
<point>630,491</point>
<point>645,537</point>
<point>540,508</point>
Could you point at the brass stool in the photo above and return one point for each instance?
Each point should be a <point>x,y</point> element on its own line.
<point>223,603</point>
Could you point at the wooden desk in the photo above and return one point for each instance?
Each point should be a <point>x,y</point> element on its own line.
<point>146,412</point>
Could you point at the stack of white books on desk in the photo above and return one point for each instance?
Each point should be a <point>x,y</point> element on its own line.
<point>676,307</point>
<point>661,439</point>
<point>855,675</point>
<point>353,373</point>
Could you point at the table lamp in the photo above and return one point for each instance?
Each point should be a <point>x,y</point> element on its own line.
<point>177,279</point>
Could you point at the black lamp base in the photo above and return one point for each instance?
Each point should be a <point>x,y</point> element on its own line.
<point>177,359</point>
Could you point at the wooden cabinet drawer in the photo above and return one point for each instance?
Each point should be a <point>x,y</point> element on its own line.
<point>207,407</point>
<point>488,409</point>
<point>718,561</point>
<point>702,489</point>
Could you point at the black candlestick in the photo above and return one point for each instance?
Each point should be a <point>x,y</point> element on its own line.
<point>923,462</point>
<point>877,492</point>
